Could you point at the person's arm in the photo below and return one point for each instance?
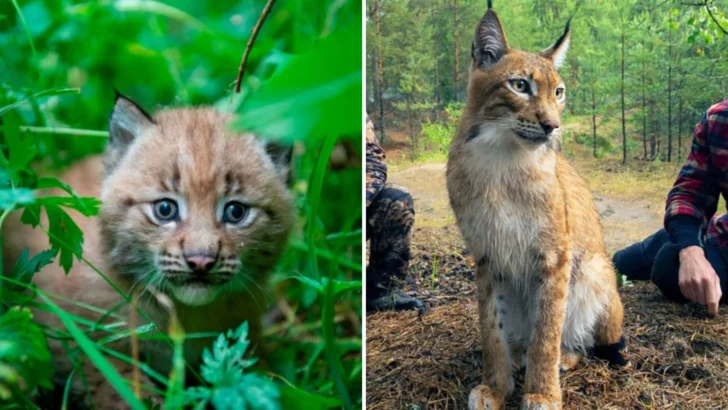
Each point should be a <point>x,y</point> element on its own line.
<point>691,203</point>
<point>376,167</point>
<point>693,199</point>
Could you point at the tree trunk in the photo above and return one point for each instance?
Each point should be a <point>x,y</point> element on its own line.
<point>624,126</point>
<point>594,121</point>
<point>669,93</point>
<point>644,107</point>
<point>679,128</point>
<point>653,137</point>
<point>456,36</point>
<point>380,70</point>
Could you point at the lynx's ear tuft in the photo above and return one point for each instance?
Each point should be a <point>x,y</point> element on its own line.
<point>557,52</point>
<point>281,156</point>
<point>128,120</point>
<point>490,43</point>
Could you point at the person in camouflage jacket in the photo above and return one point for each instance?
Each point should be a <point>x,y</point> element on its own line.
<point>390,214</point>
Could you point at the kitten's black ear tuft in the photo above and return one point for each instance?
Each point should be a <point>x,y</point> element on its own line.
<point>490,43</point>
<point>128,120</point>
<point>281,155</point>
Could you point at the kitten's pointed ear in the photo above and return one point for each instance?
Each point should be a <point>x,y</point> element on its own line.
<point>557,52</point>
<point>127,121</point>
<point>490,43</point>
<point>281,155</point>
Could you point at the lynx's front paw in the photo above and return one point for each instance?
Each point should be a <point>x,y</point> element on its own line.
<point>540,402</point>
<point>482,398</point>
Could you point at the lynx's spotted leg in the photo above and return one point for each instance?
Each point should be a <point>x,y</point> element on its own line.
<point>496,365</point>
<point>542,374</point>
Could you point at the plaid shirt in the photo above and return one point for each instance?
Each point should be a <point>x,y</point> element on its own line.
<point>690,215</point>
<point>376,167</point>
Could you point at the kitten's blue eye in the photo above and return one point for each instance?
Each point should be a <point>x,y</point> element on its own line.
<point>234,212</point>
<point>165,210</point>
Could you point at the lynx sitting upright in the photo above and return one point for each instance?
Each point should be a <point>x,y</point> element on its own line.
<point>190,209</point>
<point>546,287</point>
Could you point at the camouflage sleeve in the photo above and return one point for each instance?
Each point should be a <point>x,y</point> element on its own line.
<point>376,167</point>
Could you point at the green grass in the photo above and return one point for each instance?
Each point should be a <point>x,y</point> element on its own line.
<point>54,108</point>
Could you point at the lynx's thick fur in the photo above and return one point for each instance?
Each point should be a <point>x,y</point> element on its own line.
<point>546,288</point>
<point>191,209</point>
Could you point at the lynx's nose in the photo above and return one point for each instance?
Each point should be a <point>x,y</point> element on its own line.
<point>200,263</point>
<point>549,125</point>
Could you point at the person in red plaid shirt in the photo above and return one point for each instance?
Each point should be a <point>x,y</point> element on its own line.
<point>688,260</point>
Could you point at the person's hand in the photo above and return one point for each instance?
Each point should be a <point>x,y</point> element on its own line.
<point>698,280</point>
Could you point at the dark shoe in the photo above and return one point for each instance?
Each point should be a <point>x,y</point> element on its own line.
<point>395,301</point>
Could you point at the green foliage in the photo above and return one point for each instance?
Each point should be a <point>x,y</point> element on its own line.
<point>291,107</point>
<point>230,387</point>
<point>25,361</point>
<point>674,52</point>
<point>60,63</point>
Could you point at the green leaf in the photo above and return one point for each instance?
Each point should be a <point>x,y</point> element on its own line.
<point>20,151</point>
<point>64,235</point>
<point>10,198</point>
<point>311,96</point>
<point>223,367</point>
<point>25,361</point>
<point>339,286</point>
<point>293,398</point>
<point>25,268</point>
<point>88,206</point>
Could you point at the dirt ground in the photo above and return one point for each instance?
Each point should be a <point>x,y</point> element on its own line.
<point>678,357</point>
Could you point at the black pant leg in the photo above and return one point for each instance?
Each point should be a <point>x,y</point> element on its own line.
<point>665,273</point>
<point>636,260</point>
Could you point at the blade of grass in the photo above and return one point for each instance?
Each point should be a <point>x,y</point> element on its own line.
<point>89,348</point>
<point>45,93</point>
<point>142,366</point>
<point>30,38</point>
<point>75,132</point>
<point>327,315</point>
<point>328,255</point>
<point>148,7</point>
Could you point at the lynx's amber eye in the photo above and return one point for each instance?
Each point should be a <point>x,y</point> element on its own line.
<point>165,210</point>
<point>560,93</point>
<point>234,212</point>
<point>520,85</point>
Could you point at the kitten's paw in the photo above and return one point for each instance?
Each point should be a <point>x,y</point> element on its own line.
<point>540,402</point>
<point>482,398</point>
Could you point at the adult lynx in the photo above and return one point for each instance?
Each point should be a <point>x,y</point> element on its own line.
<point>545,283</point>
<point>189,209</point>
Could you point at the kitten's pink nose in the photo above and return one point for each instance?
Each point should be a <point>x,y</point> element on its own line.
<point>200,263</point>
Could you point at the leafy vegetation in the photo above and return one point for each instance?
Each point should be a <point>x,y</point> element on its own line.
<point>60,63</point>
<point>655,65</point>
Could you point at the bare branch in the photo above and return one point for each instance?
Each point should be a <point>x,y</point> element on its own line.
<point>251,40</point>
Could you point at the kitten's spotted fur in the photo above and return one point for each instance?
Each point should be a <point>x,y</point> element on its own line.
<point>211,259</point>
